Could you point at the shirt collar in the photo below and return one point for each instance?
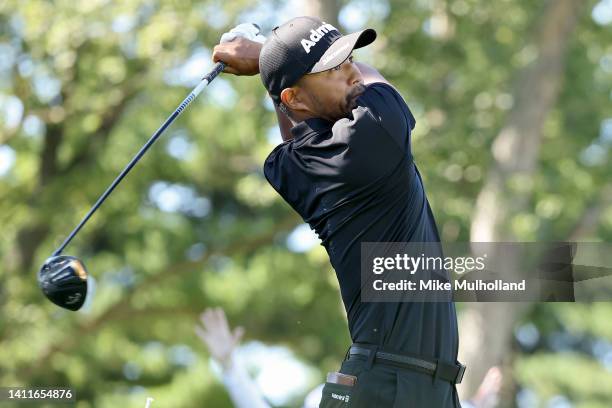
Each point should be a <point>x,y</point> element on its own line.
<point>312,125</point>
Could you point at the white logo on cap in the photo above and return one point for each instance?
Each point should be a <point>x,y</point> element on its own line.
<point>334,54</point>
<point>316,35</point>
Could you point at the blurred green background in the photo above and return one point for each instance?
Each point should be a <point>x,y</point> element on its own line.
<point>513,101</point>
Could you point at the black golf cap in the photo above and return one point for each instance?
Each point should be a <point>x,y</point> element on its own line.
<point>305,45</point>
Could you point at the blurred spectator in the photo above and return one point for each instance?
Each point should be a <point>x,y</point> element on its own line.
<point>221,342</point>
<point>487,395</point>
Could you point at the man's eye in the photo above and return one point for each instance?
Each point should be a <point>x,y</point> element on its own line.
<point>339,67</point>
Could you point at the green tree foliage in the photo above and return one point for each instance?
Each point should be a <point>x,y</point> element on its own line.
<point>196,224</point>
<point>95,79</point>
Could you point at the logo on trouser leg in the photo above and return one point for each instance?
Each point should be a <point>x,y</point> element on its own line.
<point>344,398</point>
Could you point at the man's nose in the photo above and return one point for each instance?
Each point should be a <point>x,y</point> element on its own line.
<point>353,74</point>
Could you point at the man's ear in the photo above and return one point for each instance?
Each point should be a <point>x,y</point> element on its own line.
<point>291,98</point>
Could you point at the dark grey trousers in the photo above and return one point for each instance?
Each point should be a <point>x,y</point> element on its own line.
<point>384,386</point>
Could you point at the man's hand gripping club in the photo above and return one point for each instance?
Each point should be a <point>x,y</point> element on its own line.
<point>239,49</point>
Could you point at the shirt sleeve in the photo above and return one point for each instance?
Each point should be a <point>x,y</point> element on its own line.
<point>388,110</point>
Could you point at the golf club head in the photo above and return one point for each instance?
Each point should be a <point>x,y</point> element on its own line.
<point>63,279</point>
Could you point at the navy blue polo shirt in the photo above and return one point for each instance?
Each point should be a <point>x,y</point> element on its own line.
<point>355,181</point>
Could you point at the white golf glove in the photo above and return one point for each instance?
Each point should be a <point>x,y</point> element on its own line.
<point>250,31</point>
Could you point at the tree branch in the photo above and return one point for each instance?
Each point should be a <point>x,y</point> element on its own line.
<point>123,307</point>
<point>588,223</point>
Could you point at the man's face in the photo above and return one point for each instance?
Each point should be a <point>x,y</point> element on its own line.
<point>332,94</point>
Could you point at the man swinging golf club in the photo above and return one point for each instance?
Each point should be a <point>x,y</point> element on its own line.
<point>346,167</point>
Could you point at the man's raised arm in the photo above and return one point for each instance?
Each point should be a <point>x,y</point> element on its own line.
<point>241,57</point>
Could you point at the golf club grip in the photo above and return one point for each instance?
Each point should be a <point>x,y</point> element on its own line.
<point>218,68</point>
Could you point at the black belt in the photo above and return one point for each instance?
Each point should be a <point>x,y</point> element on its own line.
<point>439,369</point>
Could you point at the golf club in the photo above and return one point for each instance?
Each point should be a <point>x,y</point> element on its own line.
<point>62,278</point>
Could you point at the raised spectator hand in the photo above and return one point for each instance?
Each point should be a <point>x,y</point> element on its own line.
<point>215,332</point>
<point>487,395</point>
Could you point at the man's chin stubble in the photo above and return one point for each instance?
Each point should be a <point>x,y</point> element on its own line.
<point>351,98</point>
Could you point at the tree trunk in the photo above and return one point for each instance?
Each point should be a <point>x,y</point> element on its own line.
<point>325,10</point>
<point>486,329</point>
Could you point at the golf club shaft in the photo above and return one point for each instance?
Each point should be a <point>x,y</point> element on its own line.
<point>196,91</point>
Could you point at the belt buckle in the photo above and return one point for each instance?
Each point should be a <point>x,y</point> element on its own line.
<point>460,373</point>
